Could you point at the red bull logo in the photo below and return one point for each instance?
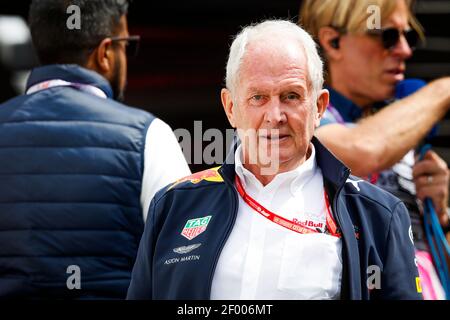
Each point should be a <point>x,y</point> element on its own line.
<point>211,175</point>
<point>309,224</point>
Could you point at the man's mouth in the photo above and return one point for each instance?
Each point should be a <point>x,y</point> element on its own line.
<point>275,138</point>
<point>397,73</point>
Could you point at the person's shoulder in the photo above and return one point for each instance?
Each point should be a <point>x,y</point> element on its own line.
<point>371,207</point>
<point>106,109</point>
<point>205,178</point>
<point>370,195</point>
<point>195,186</point>
<point>129,110</point>
<point>110,110</point>
<point>13,102</point>
<point>196,182</point>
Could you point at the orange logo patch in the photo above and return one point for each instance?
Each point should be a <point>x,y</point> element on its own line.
<point>211,175</point>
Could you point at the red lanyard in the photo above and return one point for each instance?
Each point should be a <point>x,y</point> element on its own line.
<point>331,224</point>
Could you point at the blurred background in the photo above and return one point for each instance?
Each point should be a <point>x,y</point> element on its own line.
<point>180,69</point>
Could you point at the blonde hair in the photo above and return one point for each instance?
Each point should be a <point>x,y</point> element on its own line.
<point>348,15</point>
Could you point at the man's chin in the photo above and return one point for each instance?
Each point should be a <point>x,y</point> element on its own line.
<point>385,92</point>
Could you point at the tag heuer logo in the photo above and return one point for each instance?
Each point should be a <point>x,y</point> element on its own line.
<point>194,227</point>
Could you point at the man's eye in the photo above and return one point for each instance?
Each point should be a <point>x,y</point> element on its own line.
<point>292,96</point>
<point>257,100</point>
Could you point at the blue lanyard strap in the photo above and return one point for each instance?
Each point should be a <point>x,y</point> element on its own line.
<point>436,238</point>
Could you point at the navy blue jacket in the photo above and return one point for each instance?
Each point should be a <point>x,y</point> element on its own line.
<point>71,167</point>
<point>380,219</point>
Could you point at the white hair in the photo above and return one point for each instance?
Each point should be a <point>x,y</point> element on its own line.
<point>266,29</point>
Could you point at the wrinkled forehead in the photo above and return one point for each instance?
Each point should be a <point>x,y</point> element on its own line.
<point>274,60</point>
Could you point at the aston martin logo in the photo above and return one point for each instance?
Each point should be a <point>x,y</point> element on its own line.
<point>186,249</point>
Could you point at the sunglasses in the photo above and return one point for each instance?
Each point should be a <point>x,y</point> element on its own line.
<point>391,36</point>
<point>131,46</point>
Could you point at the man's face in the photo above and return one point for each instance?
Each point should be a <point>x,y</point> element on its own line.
<point>273,95</point>
<point>371,71</point>
<point>119,73</point>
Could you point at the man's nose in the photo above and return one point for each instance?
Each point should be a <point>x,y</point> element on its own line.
<point>275,113</point>
<point>402,49</point>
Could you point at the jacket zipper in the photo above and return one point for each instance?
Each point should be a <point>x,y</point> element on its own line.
<point>337,215</point>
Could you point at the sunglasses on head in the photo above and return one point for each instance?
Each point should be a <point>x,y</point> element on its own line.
<point>391,36</point>
<point>131,46</point>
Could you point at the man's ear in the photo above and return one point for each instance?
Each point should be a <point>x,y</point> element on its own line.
<point>329,40</point>
<point>322,103</point>
<point>101,59</point>
<point>228,105</point>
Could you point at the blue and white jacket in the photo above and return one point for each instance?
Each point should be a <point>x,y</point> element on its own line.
<point>381,221</point>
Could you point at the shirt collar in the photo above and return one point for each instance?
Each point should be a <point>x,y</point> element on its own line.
<point>334,172</point>
<point>294,179</point>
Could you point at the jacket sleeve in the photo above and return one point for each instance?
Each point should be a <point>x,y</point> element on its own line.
<point>400,277</point>
<point>141,277</point>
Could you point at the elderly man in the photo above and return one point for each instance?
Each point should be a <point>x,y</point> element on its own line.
<point>302,230</point>
<point>366,69</point>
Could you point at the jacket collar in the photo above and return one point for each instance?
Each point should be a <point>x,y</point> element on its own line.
<point>70,73</point>
<point>349,111</point>
<point>335,175</point>
<point>333,170</point>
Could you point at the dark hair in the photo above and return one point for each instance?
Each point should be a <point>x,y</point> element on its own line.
<point>54,42</point>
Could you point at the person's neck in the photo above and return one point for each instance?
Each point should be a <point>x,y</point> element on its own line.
<point>339,84</point>
<point>259,171</point>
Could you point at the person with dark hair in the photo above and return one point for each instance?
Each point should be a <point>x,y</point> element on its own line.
<point>55,43</point>
<point>78,168</point>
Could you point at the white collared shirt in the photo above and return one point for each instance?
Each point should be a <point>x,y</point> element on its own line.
<point>262,260</point>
